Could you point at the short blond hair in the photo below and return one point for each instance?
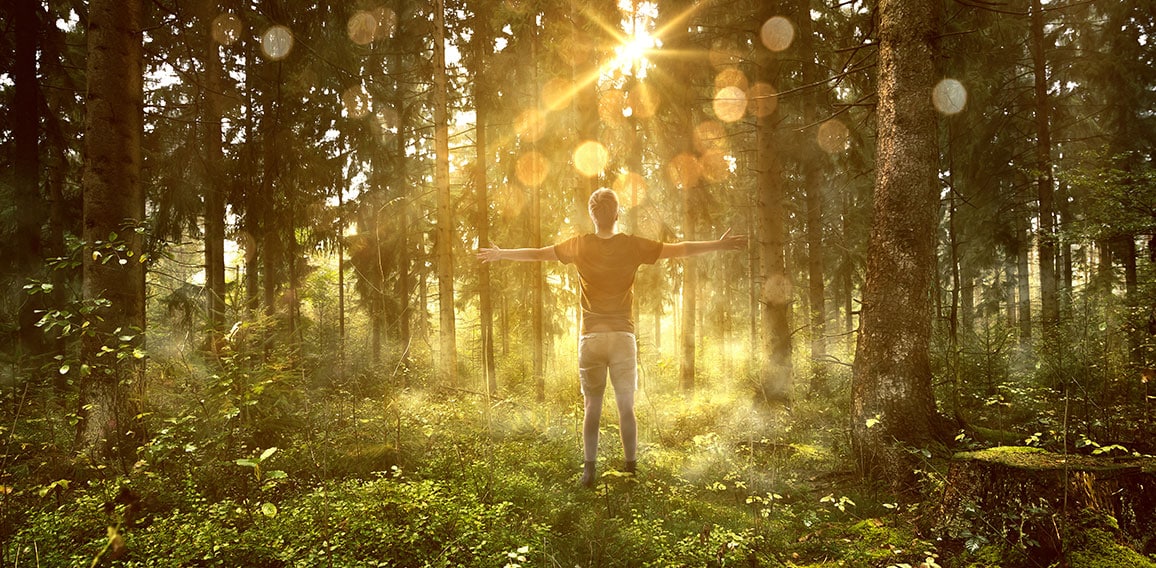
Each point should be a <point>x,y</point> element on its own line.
<point>603,207</point>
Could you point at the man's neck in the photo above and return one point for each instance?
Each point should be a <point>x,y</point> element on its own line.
<point>605,233</point>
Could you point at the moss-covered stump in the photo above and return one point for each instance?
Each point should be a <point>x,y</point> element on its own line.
<point>1037,502</point>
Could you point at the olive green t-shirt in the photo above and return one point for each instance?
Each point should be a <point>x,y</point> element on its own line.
<point>606,269</point>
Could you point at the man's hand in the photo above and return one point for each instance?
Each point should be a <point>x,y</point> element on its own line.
<point>732,242</point>
<point>490,254</point>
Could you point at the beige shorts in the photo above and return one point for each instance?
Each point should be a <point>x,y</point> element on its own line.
<point>613,353</point>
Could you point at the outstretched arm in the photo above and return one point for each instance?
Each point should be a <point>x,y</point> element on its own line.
<point>694,248</point>
<point>494,253</point>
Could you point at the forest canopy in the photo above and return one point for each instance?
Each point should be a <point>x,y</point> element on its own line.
<point>239,233</point>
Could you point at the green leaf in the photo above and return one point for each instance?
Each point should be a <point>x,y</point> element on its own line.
<point>64,369</point>
<point>245,462</point>
<point>276,474</point>
<point>265,454</point>
<point>268,509</point>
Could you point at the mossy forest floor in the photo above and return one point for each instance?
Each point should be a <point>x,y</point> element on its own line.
<point>450,479</point>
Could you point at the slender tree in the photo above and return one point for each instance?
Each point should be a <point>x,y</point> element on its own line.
<point>447,365</point>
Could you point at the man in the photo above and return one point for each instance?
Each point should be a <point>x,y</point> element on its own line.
<point>607,261</point>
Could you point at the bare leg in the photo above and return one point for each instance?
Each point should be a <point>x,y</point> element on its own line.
<point>590,421</point>
<point>627,424</point>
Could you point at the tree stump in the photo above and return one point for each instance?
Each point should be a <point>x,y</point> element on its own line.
<point>1042,503</point>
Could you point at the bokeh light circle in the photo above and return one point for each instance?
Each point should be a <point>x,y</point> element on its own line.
<point>684,171</point>
<point>643,101</point>
<point>590,158</point>
<point>730,104</point>
<point>631,187</point>
<point>532,169</point>
<point>276,42</point>
<point>777,33</point>
<point>356,102</point>
<point>612,106</point>
<point>833,136</point>
<point>949,96</point>
<point>730,77</point>
<point>710,135</point>
<point>763,99</point>
<point>557,93</point>
<point>226,29</point>
<point>530,125</point>
<point>362,28</point>
<point>715,166</point>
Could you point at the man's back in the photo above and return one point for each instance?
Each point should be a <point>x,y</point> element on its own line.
<point>606,269</point>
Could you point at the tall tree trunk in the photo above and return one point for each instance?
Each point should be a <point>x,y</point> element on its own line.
<point>775,381</point>
<point>212,108</point>
<point>482,94</point>
<point>112,392</point>
<point>23,253</point>
<point>1023,281</point>
<point>893,405</point>
<point>1049,307</point>
<point>813,186</point>
<point>686,369</point>
<point>448,363</point>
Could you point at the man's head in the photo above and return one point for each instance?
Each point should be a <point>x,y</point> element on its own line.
<point>603,208</point>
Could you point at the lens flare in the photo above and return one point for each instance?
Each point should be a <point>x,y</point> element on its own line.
<point>530,125</point>
<point>557,93</point>
<point>777,33</point>
<point>723,57</point>
<point>356,102</point>
<point>949,96</point>
<point>643,101</point>
<point>612,105</point>
<point>276,42</point>
<point>764,99</point>
<point>716,166</point>
<point>387,118</point>
<point>361,28</point>
<point>730,77</point>
<point>777,289</point>
<point>710,135</point>
<point>590,158</point>
<point>833,136</point>
<point>532,169</point>
<point>730,104</point>
<point>226,29</point>
<point>684,171</point>
<point>630,187</point>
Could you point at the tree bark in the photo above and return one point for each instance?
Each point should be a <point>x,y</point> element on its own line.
<point>813,187</point>
<point>24,252</point>
<point>112,389</point>
<point>447,366</point>
<point>482,93</point>
<point>212,108</point>
<point>1049,306</point>
<point>775,383</point>
<point>893,405</point>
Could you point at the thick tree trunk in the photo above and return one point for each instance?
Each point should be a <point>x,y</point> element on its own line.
<point>893,405</point>
<point>448,355</point>
<point>112,391</point>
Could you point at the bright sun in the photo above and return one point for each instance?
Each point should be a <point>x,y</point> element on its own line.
<point>631,55</point>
